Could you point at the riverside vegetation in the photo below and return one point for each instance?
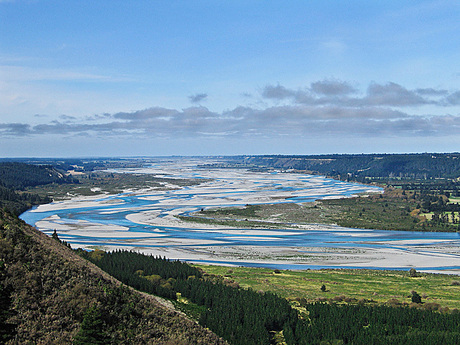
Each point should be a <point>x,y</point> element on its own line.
<point>395,209</point>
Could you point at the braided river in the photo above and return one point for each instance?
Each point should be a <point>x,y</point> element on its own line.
<point>144,219</point>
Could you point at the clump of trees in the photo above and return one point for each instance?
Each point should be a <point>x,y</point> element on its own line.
<point>416,298</point>
<point>91,329</point>
<point>146,273</point>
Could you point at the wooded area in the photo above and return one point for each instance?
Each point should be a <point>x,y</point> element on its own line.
<point>243,316</point>
<point>15,177</point>
<point>358,167</point>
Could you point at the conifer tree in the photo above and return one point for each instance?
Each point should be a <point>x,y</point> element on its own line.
<point>91,329</point>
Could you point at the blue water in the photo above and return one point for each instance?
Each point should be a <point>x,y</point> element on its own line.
<point>134,233</point>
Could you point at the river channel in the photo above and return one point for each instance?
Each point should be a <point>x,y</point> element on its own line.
<point>144,219</point>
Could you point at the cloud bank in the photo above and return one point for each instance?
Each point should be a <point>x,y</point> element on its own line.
<point>324,108</point>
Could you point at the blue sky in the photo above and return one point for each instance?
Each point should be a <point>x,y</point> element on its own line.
<point>130,78</point>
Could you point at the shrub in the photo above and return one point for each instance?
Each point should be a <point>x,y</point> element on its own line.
<point>413,273</point>
<point>416,297</point>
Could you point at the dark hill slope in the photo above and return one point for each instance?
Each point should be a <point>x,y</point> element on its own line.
<point>20,175</point>
<point>15,177</point>
<point>46,291</point>
<point>17,202</point>
<point>420,165</point>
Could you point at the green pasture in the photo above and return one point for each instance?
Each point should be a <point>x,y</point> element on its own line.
<point>344,285</point>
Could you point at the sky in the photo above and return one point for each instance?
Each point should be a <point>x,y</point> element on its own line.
<point>193,77</point>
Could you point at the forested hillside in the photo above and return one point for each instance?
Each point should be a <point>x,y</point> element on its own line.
<point>16,202</point>
<point>50,295</point>
<point>416,166</point>
<point>14,177</point>
<point>20,175</point>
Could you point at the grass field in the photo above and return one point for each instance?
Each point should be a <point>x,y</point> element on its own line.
<point>352,286</point>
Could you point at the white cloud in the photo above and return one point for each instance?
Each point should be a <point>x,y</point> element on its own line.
<point>334,47</point>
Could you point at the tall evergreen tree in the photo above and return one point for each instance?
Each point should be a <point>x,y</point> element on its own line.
<point>91,329</point>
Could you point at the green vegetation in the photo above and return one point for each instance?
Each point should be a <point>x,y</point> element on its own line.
<point>428,183</point>
<point>7,328</point>
<point>439,291</point>
<point>15,177</point>
<point>50,295</point>
<point>18,202</point>
<point>396,209</point>
<point>100,182</point>
<point>390,211</point>
<point>20,175</point>
<point>358,324</point>
<point>154,275</point>
<point>91,329</point>
<point>361,167</point>
<point>231,306</point>
<point>238,315</point>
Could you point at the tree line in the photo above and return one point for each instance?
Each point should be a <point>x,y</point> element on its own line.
<point>414,166</point>
<point>17,203</point>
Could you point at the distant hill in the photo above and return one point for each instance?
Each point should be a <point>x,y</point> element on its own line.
<point>50,295</point>
<point>17,203</point>
<point>15,177</point>
<point>21,175</point>
<point>420,166</point>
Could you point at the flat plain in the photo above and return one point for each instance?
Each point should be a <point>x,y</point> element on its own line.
<point>348,286</point>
